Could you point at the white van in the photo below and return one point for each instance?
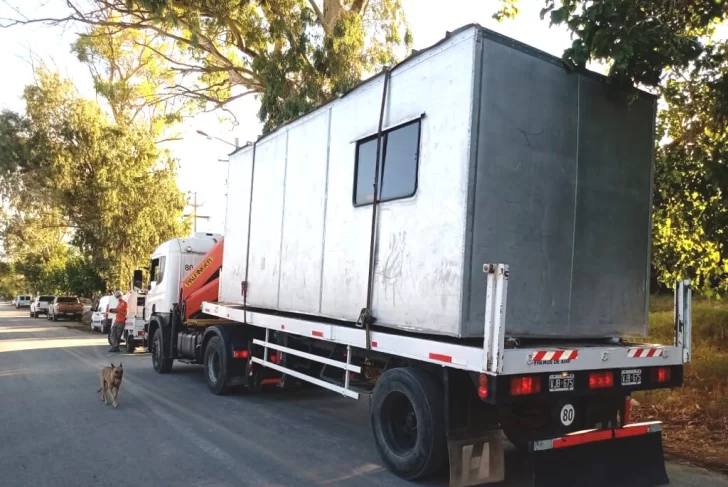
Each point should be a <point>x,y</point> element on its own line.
<point>23,301</point>
<point>103,314</point>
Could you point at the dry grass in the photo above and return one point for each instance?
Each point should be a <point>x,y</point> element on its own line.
<point>696,415</point>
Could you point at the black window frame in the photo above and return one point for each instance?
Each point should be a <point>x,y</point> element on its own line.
<point>382,162</point>
<point>157,269</point>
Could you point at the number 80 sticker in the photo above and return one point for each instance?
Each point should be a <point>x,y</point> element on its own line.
<point>567,415</point>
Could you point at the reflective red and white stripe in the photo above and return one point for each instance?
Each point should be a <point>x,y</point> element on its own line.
<point>544,355</point>
<point>645,352</point>
<point>591,436</point>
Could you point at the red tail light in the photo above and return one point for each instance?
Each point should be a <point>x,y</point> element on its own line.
<point>107,311</point>
<point>273,357</point>
<point>662,374</point>
<point>241,354</point>
<point>483,386</point>
<point>527,384</point>
<point>601,380</point>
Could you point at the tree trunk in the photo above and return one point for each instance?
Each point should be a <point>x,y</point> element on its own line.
<point>332,12</point>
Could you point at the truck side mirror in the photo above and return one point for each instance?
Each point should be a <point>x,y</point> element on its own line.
<point>138,279</point>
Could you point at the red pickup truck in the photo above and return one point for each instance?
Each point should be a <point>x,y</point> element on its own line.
<point>65,307</point>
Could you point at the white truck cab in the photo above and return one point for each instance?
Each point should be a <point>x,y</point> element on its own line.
<point>170,262</point>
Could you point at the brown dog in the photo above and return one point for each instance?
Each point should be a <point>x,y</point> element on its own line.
<point>111,381</point>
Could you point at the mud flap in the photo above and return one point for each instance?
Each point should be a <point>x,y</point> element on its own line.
<point>477,461</point>
<point>626,461</point>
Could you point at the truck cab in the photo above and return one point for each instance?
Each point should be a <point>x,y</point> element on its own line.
<point>170,262</point>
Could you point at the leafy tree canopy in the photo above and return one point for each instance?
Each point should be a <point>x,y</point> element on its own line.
<point>73,175</point>
<point>294,54</point>
<point>671,48</point>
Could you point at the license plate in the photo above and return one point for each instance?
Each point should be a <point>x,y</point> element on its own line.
<point>632,377</point>
<point>560,383</point>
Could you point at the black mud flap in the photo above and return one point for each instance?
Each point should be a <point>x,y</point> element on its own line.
<point>635,461</point>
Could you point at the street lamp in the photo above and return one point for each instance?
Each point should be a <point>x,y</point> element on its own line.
<point>217,138</point>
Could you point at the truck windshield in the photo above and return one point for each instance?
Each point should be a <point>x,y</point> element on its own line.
<point>46,298</point>
<point>68,300</point>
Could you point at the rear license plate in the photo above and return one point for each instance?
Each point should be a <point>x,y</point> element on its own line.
<point>632,377</point>
<point>560,383</point>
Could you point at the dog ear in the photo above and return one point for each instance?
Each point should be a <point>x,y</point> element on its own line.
<point>120,366</point>
<point>112,366</point>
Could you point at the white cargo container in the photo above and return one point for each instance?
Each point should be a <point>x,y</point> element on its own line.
<point>492,152</point>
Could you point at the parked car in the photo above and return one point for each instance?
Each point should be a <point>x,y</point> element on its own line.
<point>103,314</point>
<point>65,307</point>
<point>23,301</point>
<point>40,305</point>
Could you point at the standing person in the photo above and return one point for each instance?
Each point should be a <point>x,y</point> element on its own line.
<point>119,320</point>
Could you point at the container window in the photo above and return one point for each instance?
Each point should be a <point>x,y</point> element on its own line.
<point>398,165</point>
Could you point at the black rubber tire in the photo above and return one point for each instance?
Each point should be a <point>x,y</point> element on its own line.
<point>216,367</point>
<point>404,395</point>
<point>55,318</point>
<point>161,365</point>
<point>33,315</point>
<point>130,345</point>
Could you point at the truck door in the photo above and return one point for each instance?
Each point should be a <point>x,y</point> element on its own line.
<point>156,297</point>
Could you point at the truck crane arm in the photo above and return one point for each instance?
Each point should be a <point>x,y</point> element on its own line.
<point>201,283</point>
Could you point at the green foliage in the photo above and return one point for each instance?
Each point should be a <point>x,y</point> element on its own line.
<point>671,48</point>
<point>75,176</point>
<point>131,72</point>
<point>294,54</point>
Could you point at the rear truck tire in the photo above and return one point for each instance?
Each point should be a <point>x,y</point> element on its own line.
<point>32,315</point>
<point>130,345</point>
<point>161,365</point>
<point>55,318</point>
<point>407,416</point>
<point>216,373</point>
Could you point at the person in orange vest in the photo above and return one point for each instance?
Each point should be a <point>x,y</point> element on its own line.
<point>119,320</point>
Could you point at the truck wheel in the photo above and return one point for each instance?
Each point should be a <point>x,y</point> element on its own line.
<point>216,366</point>
<point>130,345</point>
<point>161,365</point>
<point>407,416</point>
<point>32,315</point>
<point>55,318</point>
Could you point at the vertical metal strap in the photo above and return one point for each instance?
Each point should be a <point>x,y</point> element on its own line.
<point>499,318</point>
<point>265,347</point>
<point>366,313</point>
<point>348,362</point>
<point>245,287</point>
<point>489,271</point>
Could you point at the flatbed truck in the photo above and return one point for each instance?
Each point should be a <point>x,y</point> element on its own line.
<point>493,166</point>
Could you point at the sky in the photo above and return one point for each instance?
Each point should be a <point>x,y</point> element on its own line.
<point>202,161</point>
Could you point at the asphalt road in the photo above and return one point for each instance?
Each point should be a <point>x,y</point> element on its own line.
<point>169,430</point>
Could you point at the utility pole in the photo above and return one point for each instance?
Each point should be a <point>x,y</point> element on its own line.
<point>194,215</point>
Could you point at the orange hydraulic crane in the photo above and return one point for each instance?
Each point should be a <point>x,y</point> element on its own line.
<point>201,283</point>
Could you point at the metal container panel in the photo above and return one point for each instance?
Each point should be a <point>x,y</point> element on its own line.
<point>610,282</point>
<point>562,194</point>
<point>348,228</point>
<point>236,226</point>
<point>304,212</point>
<point>524,189</point>
<point>266,221</point>
<point>419,262</point>
<point>419,250</point>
